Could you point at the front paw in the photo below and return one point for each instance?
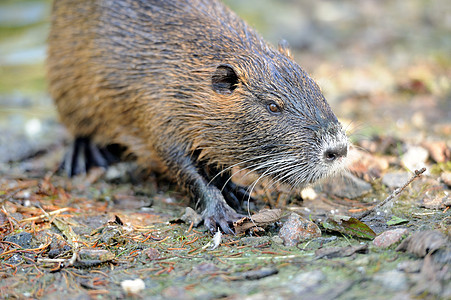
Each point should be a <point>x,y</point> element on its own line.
<point>220,215</point>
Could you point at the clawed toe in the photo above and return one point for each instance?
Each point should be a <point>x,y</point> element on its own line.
<point>222,217</point>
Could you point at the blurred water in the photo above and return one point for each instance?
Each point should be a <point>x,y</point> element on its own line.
<point>23,33</point>
<point>22,13</point>
<point>27,115</point>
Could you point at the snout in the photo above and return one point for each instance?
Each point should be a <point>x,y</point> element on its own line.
<point>332,154</point>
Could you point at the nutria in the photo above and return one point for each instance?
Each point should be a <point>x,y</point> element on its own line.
<point>188,85</point>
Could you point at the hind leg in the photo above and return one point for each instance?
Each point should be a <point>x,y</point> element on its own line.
<point>84,154</point>
<point>235,195</point>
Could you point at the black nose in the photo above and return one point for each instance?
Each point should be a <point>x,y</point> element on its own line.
<point>332,154</point>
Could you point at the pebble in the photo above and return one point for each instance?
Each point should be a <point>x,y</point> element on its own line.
<point>436,201</point>
<point>389,237</point>
<point>202,269</point>
<point>133,287</point>
<point>308,194</point>
<point>297,229</point>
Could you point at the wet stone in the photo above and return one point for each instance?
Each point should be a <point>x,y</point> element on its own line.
<point>365,165</point>
<point>389,237</point>
<point>297,229</point>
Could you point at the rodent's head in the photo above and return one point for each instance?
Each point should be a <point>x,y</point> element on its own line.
<point>275,120</point>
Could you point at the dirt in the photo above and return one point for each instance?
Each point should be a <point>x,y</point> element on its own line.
<point>385,69</point>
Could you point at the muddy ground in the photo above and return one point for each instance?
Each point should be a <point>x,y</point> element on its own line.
<point>385,68</point>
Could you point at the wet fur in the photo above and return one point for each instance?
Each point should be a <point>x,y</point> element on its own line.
<point>139,74</point>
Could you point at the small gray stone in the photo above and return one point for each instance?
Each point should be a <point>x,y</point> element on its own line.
<point>191,215</point>
<point>346,186</point>
<point>395,180</point>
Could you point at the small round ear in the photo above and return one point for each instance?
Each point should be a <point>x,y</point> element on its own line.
<point>224,80</point>
<point>284,48</point>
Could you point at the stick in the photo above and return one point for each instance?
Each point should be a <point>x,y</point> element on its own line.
<point>392,196</point>
<point>55,212</point>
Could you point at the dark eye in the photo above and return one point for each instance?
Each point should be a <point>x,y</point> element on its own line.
<point>274,108</point>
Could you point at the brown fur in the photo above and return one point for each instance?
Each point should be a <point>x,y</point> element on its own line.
<point>139,73</point>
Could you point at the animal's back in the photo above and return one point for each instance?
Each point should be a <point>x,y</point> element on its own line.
<point>119,67</point>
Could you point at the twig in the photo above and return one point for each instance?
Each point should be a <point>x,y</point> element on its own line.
<point>55,212</point>
<point>392,196</point>
<point>51,260</point>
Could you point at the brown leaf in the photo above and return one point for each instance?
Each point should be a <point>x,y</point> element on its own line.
<point>267,216</point>
<point>262,218</point>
